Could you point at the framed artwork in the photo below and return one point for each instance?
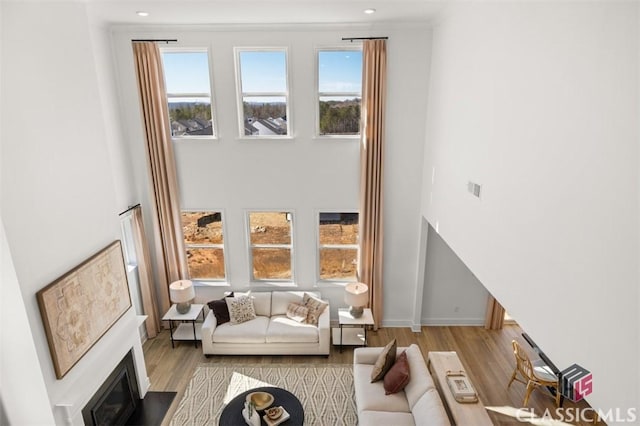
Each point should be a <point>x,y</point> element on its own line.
<point>78,308</point>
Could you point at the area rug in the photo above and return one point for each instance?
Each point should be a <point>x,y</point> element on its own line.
<point>325,391</point>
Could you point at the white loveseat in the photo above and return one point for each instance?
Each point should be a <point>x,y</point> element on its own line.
<point>271,332</point>
<point>418,404</point>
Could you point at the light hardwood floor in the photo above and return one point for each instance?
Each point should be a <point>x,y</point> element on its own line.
<point>485,354</point>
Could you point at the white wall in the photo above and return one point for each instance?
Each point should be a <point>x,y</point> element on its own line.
<point>60,203</point>
<point>18,349</point>
<point>304,174</point>
<point>452,294</point>
<point>538,102</point>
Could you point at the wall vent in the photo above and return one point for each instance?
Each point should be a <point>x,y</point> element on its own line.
<point>474,188</point>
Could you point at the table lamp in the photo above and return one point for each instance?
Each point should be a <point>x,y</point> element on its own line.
<point>356,295</point>
<point>182,293</point>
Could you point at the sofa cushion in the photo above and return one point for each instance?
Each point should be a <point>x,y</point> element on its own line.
<point>370,396</point>
<point>240,309</point>
<point>384,362</point>
<point>253,331</point>
<point>297,312</point>
<point>285,330</point>
<point>316,307</point>
<point>281,299</point>
<point>429,410</point>
<point>416,388</point>
<point>377,418</point>
<point>398,375</point>
<point>261,301</point>
<point>220,309</point>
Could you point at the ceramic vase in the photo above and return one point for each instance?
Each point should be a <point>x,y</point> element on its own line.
<point>250,415</point>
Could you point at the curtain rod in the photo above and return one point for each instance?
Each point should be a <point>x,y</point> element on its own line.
<point>161,40</point>
<point>365,38</point>
<point>129,209</point>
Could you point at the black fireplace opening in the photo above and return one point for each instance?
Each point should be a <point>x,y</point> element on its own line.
<point>116,399</point>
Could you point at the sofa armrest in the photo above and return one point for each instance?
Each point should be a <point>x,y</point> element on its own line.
<point>366,355</point>
<point>324,331</point>
<point>370,355</point>
<point>208,327</point>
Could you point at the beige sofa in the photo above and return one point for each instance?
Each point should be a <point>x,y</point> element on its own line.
<point>271,332</point>
<point>418,404</point>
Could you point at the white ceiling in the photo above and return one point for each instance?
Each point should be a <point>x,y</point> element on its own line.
<point>262,11</point>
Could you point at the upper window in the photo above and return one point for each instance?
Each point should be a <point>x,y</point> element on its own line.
<point>263,92</point>
<point>186,75</point>
<point>204,243</point>
<point>271,245</point>
<point>338,246</point>
<point>339,92</point>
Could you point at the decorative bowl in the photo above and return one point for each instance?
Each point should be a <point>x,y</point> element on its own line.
<point>260,400</point>
<point>274,412</point>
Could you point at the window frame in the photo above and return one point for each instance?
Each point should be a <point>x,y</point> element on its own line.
<point>320,246</point>
<point>354,47</point>
<point>250,246</point>
<point>211,95</point>
<point>240,94</point>
<point>208,245</point>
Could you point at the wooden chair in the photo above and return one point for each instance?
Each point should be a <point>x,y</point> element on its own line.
<point>534,375</point>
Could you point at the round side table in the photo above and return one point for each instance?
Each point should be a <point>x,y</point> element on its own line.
<point>232,414</point>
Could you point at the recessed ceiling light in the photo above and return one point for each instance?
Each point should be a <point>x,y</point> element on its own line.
<point>142,13</point>
<point>369,11</point>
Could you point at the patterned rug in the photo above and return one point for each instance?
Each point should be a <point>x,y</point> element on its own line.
<point>325,391</point>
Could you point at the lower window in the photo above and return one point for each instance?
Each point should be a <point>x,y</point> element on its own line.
<point>338,246</point>
<point>204,244</point>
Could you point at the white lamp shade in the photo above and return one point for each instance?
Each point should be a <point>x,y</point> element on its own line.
<point>181,291</point>
<point>356,294</point>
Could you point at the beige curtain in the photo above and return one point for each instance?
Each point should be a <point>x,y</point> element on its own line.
<point>170,255</point>
<point>145,274</point>
<point>494,319</point>
<point>374,77</point>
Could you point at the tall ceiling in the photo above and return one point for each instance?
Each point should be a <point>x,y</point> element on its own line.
<point>263,11</point>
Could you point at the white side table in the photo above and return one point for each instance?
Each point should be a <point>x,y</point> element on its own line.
<point>352,331</point>
<point>183,331</point>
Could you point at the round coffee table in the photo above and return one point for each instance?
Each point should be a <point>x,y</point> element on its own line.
<point>232,413</point>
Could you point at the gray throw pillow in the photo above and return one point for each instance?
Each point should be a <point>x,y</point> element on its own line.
<point>385,361</point>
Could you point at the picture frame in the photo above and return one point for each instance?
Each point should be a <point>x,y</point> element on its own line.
<point>79,307</point>
<point>461,387</point>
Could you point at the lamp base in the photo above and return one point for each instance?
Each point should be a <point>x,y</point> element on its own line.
<point>183,307</point>
<point>356,311</point>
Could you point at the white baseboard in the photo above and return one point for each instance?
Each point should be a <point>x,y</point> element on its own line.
<point>416,328</point>
<point>397,323</point>
<point>453,321</point>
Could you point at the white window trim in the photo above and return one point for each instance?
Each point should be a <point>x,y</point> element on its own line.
<point>318,94</point>
<point>211,95</point>
<point>210,281</point>
<point>270,281</point>
<point>240,94</point>
<point>340,282</point>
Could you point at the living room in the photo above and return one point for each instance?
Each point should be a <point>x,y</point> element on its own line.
<point>538,103</point>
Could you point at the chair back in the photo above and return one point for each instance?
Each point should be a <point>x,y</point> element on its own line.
<point>523,363</point>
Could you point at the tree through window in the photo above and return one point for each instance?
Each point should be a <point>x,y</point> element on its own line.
<point>339,92</point>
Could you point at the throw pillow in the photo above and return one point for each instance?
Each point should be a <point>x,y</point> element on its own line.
<point>220,309</point>
<point>297,312</point>
<point>240,309</point>
<point>385,361</point>
<point>398,376</point>
<point>315,306</point>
